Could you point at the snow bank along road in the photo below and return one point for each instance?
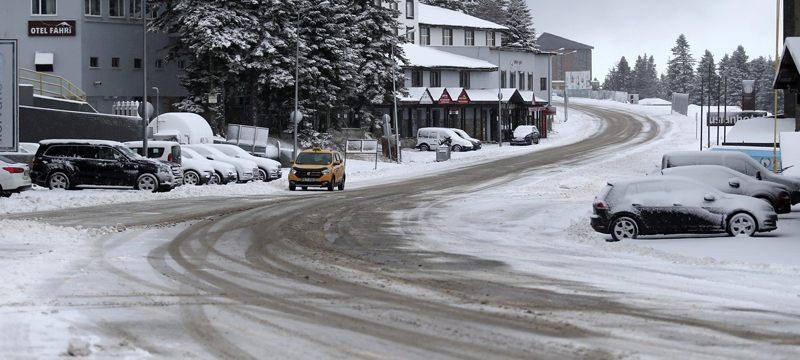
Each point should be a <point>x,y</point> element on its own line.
<point>334,275</point>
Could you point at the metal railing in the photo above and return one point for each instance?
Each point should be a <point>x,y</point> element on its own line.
<point>51,85</point>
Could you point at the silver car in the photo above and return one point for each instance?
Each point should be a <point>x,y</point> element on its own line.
<point>14,177</point>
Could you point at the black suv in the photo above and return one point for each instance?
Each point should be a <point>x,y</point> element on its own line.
<point>66,164</point>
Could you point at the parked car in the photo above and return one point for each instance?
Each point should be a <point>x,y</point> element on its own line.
<point>221,172</point>
<point>476,144</point>
<point>168,152</point>
<point>68,164</point>
<point>268,169</point>
<point>734,182</point>
<point>430,137</point>
<point>24,154</point>
<point>317,168</point>
<point>15,177</point>
<point>525,135</point>
<point>245,169</point>
<point>655,205</point>
<point>733,160</point>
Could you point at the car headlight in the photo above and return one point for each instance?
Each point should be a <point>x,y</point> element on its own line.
<point>231,172</point>
<point>164,169</point>
<point>294,171</point>
<point>326,171</point>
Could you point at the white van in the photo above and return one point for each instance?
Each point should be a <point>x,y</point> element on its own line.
<point>430,137</point>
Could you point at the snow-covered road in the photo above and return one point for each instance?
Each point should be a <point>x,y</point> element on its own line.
<point>492,261</point>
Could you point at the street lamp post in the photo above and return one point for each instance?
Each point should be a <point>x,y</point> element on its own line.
<point>144,78</point>
<point>499,101</point>
<point>158,97</point>
<point>394,99</point>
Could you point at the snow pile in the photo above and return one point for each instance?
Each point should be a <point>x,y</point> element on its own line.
<point>654,102</point>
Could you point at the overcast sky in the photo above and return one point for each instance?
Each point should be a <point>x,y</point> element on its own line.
<point>629,28</point>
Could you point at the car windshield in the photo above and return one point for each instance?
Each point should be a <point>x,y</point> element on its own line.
<point>313,159</point>
<point>128,152</point>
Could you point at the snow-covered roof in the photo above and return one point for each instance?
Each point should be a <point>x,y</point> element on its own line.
<point>415,94</point>
<point>788,76</point>
<point>530,96</point>
<point>654,102</point>
<point>434,15</point>
<point>548,41</point>
<point>758,130</point>
<point>490,95</point>
<point>80,142</point>
<point>427,57</point>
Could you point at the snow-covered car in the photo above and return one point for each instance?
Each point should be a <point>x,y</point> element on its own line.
<point>268,169</point>
<point>655,205</point>
<point>221,172</point>
<point>24,154</point>
<point>734,182</point>
<point>169,152</point>
<point>15,177</point>
<point>735,161</point>
<point>430,137</point>
<point>525,135</point>
<point>245,169</point>
<point>67,164</point>
<point>476,144</point>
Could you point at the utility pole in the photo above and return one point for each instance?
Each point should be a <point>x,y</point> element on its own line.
<point>144,78</point>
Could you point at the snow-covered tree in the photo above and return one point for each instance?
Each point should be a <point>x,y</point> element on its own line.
<point>735,70</point>
<point>703,80</point>
<point>644,77</point>
<point>680,69</point>
<point>620,77</point>
<point>491,10</point>
<point>521,33</point>
<point>762,70</point>
<point>464,6</point>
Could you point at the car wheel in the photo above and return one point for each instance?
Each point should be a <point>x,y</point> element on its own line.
<point>341,184</point>
<point>221,179</point>
<point>537,141</point>
<point>262,175</point>
<point>58,181</point>
<point>292,187</point>
<point>456,148</point>
<point>330,184</point>
<point>191,177</point>
<point>742,224</point>
<point>624,227</point>
<point>424,147</point>
<point>214,180</point>
<point>147,182</point>
<point>3,193</point>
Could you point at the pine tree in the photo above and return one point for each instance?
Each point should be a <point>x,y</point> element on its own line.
<point>762,70</point>
<point>736,69</point>
<point>491,10</point>
<point>465,6</point>
<point>521,33</point>
<point>702,80</point>
<point>680,69</point>
<point>644,77</point>
<point>624,76</point>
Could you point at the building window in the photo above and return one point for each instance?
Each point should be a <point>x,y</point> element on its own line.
<point>503,79</point>
<point>424,35</point>
<point>115,63</point>
<point>43,7</point>
<point>159,64</point>
<point>409,9</point>
<point>469,37</point>
<point>464,79</point>
<point>436,79</point>
<point>530,81</point>
<point>490,38</point>
<point>447,37</point>
<point>94,62</point>
<point>543,84</point>
<point>512,81</point>
<point>91,7</point>
<point>116,8</point>
<point>137,63</point>
<point>522,80</point>
<point>136,9</point>
<point>416,78</point>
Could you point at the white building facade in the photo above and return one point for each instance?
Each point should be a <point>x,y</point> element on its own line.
<point>462,64</point>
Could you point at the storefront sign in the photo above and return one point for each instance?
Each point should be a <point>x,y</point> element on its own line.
<point>426,99</point>
<point>731,118</point>
<point>463,98</point>
<point>445,99</point>
<point>51,28</point>
<point>9,115</point>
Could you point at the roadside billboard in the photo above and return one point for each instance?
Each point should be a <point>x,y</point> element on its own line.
<point>9,113</point>
<point>731,118</point>
<point>578,80</point>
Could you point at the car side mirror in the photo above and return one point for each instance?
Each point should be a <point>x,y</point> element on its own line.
<point>711,197</point>
<point>758,175</point>
<point>734,183</point>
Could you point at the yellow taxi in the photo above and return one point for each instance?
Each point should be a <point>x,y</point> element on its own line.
<point>317,168</point>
